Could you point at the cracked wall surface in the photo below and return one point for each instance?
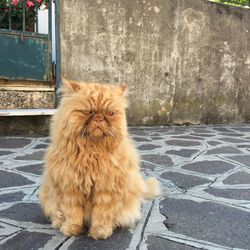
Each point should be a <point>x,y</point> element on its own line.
<point>185,61</point>
<point>205,203</point>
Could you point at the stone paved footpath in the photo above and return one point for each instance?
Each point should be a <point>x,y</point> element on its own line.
<point>205,204</point>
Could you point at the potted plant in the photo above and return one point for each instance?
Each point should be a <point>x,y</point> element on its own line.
<point>14,10</point>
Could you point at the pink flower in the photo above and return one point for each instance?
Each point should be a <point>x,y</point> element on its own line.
<point>15,2</point>
<point>39,1</point>
<point>30,4</point>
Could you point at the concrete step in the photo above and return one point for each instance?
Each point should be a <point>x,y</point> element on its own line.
<point>26,112</point>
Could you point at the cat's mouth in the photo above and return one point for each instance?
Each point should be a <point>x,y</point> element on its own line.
<point>96,132</point>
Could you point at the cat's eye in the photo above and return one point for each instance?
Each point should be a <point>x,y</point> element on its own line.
<point>87,112</point>
<point>84,111</point>
<point>110,113</point>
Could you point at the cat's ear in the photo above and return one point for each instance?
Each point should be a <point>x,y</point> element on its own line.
<point>122,89</point>
<point>69,86</point>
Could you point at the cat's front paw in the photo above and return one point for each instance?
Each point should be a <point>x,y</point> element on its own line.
<point>69,229</point>
<point>100,233</point>
<point>57,223</point>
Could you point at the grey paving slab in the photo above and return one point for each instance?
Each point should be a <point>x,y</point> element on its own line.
<point>183,143</point>
<point>14,142</point>
<point>184,180</point>
<point>26,240</point>
<point>37,156</point>
<point>232,140</point>
<point>29,212</point>
<point>148,147</point>
<point>209,167</point>
<point>236,194</point>
<point>202,135</point>
<point>119,240</point>
<point>205,179</point>
<point>159,243</point>
<point>163,160</point>
<point>207,221</point>
<point>243,159</point>
<point>238,178</point>
<point>213,143</point>
<point>182,152</point>
<point>33,168</point>
<point>140,139</point>
<point>11,197</point>
<point>9,179</point>
<point>41,146</point>
<point>224,150</point>
<point>190,137</point>
<point>5,153</point>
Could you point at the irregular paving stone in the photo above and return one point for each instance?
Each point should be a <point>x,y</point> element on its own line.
<point>35,156</point>
<point>26,240</point>
<point>46,140</point>
<point>188,137</point>
<point>176,133</point>
<point>202,135</point>
<point>242,129</point>
<point>207,221</point>
<point>156,138</point>
<point>158,159</point>
<point>201,130</point>
<point>224,150</point>
<point>159,243</point>
<point>5,153</point>
<point>119,240</point>
<point>238,178</point>
<point>236,194</point>
<point>9,179</point>
<point>182,152</point>
<point>155,134</point>
<point>243,146</point>
<point>14,142</point>
<point>231,134</point>
<point>146,165</point>
<point>183,180</point>
<point>34,169</point>
<point>139,139</point>
<point>30,212</point>
<point>213,143</point>
<point>183,143</point>
<point>222,129</point>
<point>11,197</point>
<point>232,140</point>
<point>209,167</point>
<point>148,147</point>
<point>243,159</point>
<point>41,146</point>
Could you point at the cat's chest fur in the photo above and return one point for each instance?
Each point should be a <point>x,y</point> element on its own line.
<point>95,171</point>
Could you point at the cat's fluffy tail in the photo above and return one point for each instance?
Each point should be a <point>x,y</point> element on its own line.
<point>152,189</point>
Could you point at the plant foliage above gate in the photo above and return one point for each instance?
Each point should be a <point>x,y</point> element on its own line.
<point>16,10</point>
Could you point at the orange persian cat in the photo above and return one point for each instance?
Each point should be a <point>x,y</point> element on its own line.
<point>92,170</point>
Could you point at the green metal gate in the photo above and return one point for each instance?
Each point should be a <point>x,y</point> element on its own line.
<point>24,53</point>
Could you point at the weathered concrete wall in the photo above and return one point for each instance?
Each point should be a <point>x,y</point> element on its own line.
<point>185,61</point>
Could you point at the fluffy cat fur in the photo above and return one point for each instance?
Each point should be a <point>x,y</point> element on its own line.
<point>92,170</point>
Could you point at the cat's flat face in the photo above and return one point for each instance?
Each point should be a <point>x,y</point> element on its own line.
<point>95,111</point>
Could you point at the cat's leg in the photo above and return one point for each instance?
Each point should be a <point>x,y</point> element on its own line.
<point>102,220</point>
<point>73,211</point>
<point>130,213</point>
<point>49,202</point>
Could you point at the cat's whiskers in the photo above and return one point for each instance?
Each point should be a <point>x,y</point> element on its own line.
<point>112,135</point>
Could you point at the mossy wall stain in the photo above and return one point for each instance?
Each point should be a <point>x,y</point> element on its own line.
<point>184,61</point>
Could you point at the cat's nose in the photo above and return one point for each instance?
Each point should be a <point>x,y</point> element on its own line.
<point>98,117</point>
